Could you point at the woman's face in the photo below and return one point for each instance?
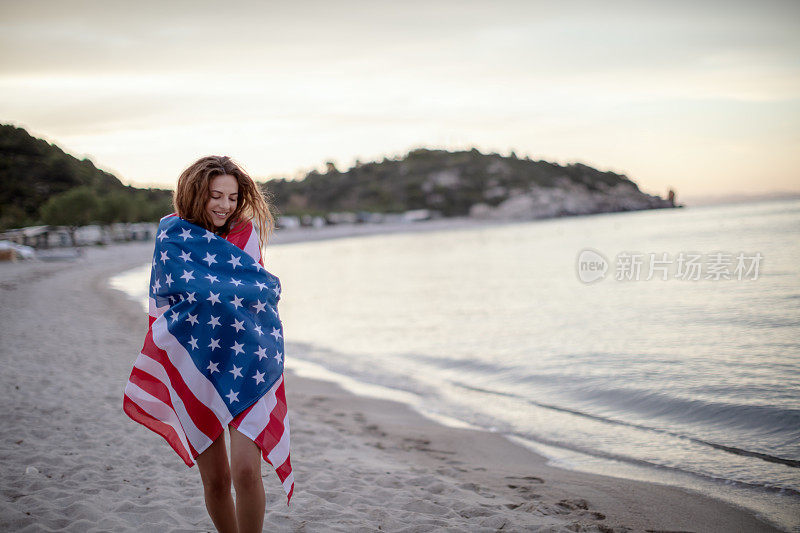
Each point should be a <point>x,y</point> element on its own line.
<point>223,194</point>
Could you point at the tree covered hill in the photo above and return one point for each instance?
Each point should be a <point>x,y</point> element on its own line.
<point>34,172</point>
<point>461,183</point>
<point>39,183</point>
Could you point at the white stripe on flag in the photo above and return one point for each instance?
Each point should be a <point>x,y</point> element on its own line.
<point>257,419</point>
<point>153,310</point>
<point>281,450</point>
<point>199,440</point>
<point>253,247</point>
<point>288,482</point>
<point>158,410</point>
<point>199,384</point>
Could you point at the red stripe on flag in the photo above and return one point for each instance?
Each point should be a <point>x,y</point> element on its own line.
<point>157,426</point>
<point>274,429</point>
<point>191,448</point>
<point>285,469</point>
<point>236,422</point>
<point>203,417</point>
<point>240,234</point>
<point>151,385</point>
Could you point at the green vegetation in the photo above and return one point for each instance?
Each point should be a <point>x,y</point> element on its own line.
<point>39,183</point>
<point>450,182</point>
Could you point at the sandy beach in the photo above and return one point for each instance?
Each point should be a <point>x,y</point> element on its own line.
<point>72,460</point>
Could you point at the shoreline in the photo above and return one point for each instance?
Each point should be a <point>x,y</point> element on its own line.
<point>462,478</point>
<point>344,231</point>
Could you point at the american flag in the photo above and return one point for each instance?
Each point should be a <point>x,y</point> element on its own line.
<point>213,353</point>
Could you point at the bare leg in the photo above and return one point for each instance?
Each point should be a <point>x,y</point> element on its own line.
<point>216,476</point>
<point>246,468</point>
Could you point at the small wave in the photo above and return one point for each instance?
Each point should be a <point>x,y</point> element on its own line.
<point>761,418</point>
<point>641,462</point>
<point>729,449</point>
<point>484,367</point>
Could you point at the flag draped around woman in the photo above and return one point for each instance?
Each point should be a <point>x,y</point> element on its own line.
<point>213,352</point>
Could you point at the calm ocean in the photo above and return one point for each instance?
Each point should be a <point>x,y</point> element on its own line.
<point>690,382</point>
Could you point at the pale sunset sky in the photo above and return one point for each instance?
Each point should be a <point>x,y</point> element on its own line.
<point>702,96</point>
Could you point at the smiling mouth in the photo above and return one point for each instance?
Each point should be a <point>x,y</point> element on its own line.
<point>220,215</point>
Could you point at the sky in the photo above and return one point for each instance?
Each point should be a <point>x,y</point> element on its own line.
<point>699,96</point>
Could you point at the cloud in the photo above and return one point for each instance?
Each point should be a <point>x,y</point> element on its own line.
<point>144,87</point>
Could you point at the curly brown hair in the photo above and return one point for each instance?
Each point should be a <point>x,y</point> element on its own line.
<point>192,194</point>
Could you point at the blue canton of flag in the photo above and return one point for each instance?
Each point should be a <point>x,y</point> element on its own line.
<point>222,309</point>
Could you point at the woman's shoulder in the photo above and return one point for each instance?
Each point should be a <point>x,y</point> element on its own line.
<point>240,225</point>
<point>168,221</point>
<point>244,234</point>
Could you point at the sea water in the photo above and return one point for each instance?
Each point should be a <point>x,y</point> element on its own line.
<point>692,380</point>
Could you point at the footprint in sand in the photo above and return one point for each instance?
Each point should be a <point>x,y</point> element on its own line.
<point>373,429</point>
<point>526,478</point>
<point>524,492</point>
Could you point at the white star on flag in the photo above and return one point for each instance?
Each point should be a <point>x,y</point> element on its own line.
<point>278,357</point>
<point>214,298</point>
<point>168,280</point>
<point>193,342</point>
<point>259,307</point>
<point>156,286</point>
<point>259,377</point>
<point>261,353</point>
<point>236,282</point>
<point>186,256</point>
<point>238,324</point>
<point>209,258</point>
<point>211,278</point>
<point>258,329</point>
<point>261,286</point>
<point>214,322</point>
<point>214,344</point>
<point>185,233</point>
<point>237,371</point>
<point>192,318</point>
<point>174,316</point>
<point>237,348</point>
<point>236,302</point>
<point>209,236</point>
<point>212,366</point>
<point>164,257</point>
<point>232,396</point>
<point>162,235</point>
<point>187,275</point>
<point>190,297</point>
<point>234,261</point>
<point>276,333</point>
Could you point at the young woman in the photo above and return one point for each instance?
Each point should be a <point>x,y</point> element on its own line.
<point>213,355</point>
